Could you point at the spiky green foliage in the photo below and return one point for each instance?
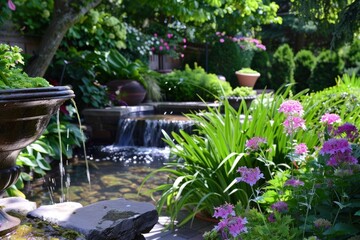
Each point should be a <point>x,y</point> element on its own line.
<point>203,175</point>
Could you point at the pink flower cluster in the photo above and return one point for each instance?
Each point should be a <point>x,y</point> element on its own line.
<point>293,111</point>
<point>168,44</point>
<point>229,223</point>
<point>291,108</point>
<point>254,144</point>
<point>249,175</point>
<point>246,43</point>
<point>330,118</point>
<point>301,149</point>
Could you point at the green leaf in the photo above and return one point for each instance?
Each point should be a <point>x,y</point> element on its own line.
<point>25,176</point>
<point>43,164</point>
<point>37,147</point>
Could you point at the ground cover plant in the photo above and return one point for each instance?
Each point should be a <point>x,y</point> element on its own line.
<point>212,166</point>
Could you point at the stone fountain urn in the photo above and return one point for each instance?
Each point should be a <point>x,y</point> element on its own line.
<point>24,114</point>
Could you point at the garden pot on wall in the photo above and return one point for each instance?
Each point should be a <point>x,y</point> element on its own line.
<point>25,113</point>
<point>247,79</point>
<point>126,92</point>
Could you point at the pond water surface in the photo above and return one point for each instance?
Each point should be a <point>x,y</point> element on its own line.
<point>115,172</point>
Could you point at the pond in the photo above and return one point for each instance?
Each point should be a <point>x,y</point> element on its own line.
<point>115,172</point>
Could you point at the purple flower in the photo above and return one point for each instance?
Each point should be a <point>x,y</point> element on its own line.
<point>339,151</point>
<point>249,175</point>
<point>292,107</point>
<point>281,207</point>
<point>330,118</point>
<point>293,123</point>
<point>224,211</point>
<point>341,157</point>
<point>335,145</point>
<point>301,149</point>
<point>271,218</point>
<point>294,182</point>
<point>349,129</point>
<point>253,144</point>
<point>222,225</point>
<point>237,226</point>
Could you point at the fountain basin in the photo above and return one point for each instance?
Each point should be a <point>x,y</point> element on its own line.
<point>25,114</point>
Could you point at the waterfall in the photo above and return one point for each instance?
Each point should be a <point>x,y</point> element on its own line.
<point>146,131</point>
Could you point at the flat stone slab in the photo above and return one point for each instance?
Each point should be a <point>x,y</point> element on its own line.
<point>17,205</point>
<point>113,219</point>
<point>56,213</point>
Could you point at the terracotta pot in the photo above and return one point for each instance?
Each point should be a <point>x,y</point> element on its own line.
<point>25,113</point>
<point>129,92</point>
<point>247,79</point>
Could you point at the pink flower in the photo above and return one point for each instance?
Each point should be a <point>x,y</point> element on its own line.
<point>253,144</point>
<point>294,182</point>
<point>261,46</point>
<point>184,40</point>
<point>330,118</point>
<point>184,46</point>
<point>155,35</point>
<point>293,123</point>
<point>224,211</point>
<point>292,107</point>
<point>182,55</point>
<point>249,175</point>
<point>222,40</point>
<point>11,5</point>
<point>169,35</point>
<point>161,48</point>
<point>301,149</point>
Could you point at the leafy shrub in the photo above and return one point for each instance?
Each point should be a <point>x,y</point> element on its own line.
<point>304,64</point>
<point>352,58</point>
<point>226,57</point>
<point>342,99</point>
<point>328,67</point>
<point>191,85</point>
<point>283,67</point>
<point>242,92</point>
<point>261,62</point>
<point>96,30</point>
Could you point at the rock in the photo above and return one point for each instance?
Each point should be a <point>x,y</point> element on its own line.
<point>118,219</point>
<point>56,213</point>
<point>17,205</point>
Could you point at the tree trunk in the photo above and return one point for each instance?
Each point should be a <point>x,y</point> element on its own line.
<point>65,15</point>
